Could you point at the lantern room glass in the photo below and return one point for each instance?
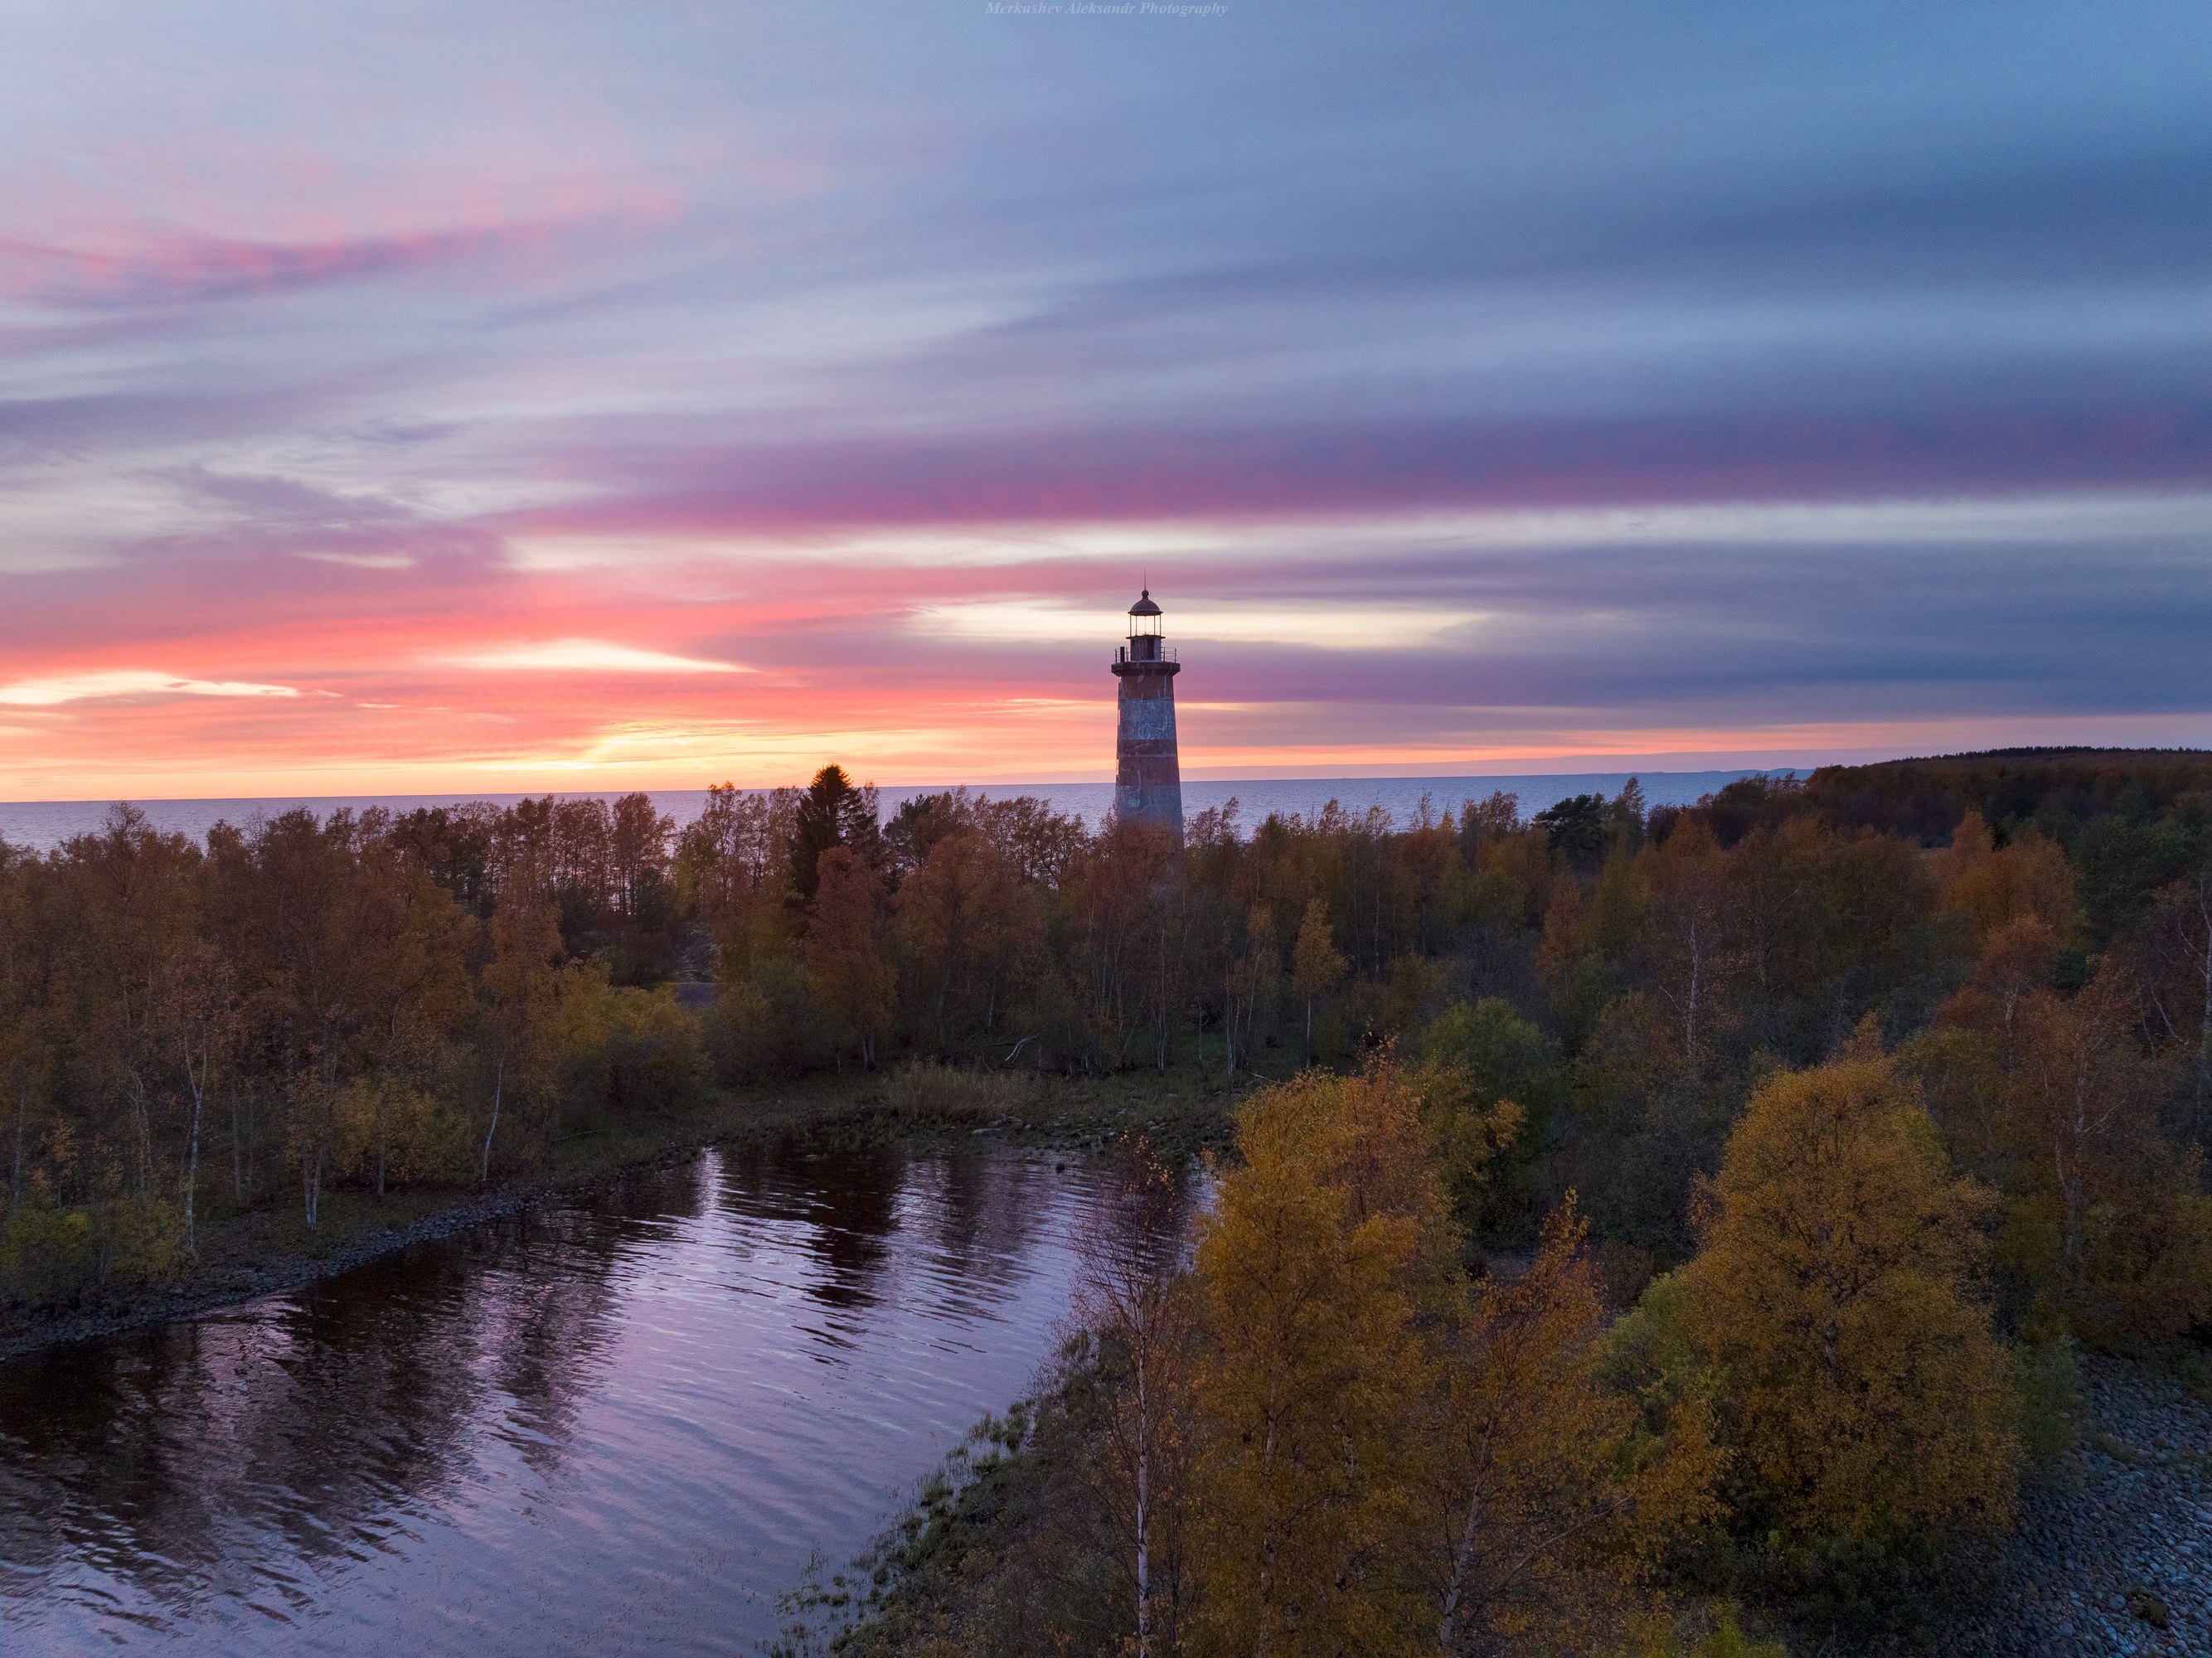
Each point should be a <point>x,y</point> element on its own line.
<point>1145,630</point>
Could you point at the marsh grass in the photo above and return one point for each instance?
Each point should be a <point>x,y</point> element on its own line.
<point>924,1091</point>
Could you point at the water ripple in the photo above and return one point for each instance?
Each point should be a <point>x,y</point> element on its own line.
<point>619,1426</point>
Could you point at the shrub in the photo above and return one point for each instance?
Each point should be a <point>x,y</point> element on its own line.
<point>653,1057</point>
<point>47,1253</point>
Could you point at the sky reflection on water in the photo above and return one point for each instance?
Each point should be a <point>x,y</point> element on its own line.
<point>621,1426</point>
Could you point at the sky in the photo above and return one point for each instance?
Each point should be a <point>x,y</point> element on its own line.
<point>400,398</point>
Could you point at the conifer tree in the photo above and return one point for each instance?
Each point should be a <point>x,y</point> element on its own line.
<point>832,813</point>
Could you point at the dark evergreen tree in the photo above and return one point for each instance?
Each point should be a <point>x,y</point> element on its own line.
<point>832,813</point>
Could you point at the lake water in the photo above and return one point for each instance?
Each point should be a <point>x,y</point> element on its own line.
<point>618,1426</point>
<point>45,823</point>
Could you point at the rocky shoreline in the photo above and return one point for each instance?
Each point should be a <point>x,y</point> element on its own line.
<point>2114,1553</point>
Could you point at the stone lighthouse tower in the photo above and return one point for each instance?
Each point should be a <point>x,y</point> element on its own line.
<point>1148,779</point>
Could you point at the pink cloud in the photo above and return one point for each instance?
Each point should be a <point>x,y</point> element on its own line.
<point>183,267</point>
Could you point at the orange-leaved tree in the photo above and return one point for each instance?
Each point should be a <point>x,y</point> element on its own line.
<point>844,968</point>
<point>2059,1098</point>
<point>964,920</point>
<point>1992,886</point>
<point>1547,1492</point>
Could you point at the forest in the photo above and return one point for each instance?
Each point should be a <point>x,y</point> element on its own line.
<point>1704,1233</point>
<point>1624,1211</point>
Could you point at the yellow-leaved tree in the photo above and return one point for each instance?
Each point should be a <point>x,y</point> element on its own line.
<point>1837,1287</point>
<point>1313,1375</point>
<point>1316,963</point>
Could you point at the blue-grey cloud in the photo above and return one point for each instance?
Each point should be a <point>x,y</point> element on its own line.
<point>393,309</point>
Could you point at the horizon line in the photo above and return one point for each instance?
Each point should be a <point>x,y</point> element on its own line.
<point>1801,767</point>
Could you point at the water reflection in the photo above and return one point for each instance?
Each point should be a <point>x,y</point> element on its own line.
<point>617,1426</point>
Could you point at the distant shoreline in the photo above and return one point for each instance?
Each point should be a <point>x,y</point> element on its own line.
<point>992,786</point>
<point>43,824</point>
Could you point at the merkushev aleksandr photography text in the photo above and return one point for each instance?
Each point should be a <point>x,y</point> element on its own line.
<point>1088,9</point>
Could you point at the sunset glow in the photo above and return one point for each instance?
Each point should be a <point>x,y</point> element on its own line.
<point>408,401</point>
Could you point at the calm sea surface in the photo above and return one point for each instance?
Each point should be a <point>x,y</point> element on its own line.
<point>46,823</point>
<point>620,1426</point>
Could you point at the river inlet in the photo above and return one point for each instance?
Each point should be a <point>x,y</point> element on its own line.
<point>621,1426</point>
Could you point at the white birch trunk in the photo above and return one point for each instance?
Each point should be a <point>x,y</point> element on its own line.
<point>498,1083</point>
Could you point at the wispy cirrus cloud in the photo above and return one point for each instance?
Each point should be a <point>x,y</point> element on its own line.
<point>116,684</point>
<point>514,386</point>
<point>183,268</point>
<point>586,656</point>
<point>1350,624</point>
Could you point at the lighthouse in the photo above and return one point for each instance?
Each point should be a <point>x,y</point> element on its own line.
<point>1148,779</point>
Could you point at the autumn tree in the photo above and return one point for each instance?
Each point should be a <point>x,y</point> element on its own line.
<point>1824,927</point>
<point>962,919</point>
<point>1991,886</point>
<point>1487,822</point>
<point>1836,1288</point>
<point>196,1014</point>
<point>1324,1245</point>
<point>2177,980</point>
<point>639,836</point>
<point>724,852</point>
<point>1566,962</point>
<point>1691,933</point>
<point>1126,944</point>
<point>1969,1066</point>
<point>1547,1494</point>
<point>1255,980</point>
<point>1133,1306</point>
<point>521,994</point>
<point>315,974</point>
<point>411,942</point>
<point>26,967</point>
<point>732,874</point>
<point>131,892</point>
<point>1316,964</point>
<point>2057,1098</point>
<point>851,982</point>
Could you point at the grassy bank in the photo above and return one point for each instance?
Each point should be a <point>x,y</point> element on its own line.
<point>269,1247</point>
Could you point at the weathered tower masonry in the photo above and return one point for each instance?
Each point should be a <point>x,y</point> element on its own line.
<point>1148,779</point>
